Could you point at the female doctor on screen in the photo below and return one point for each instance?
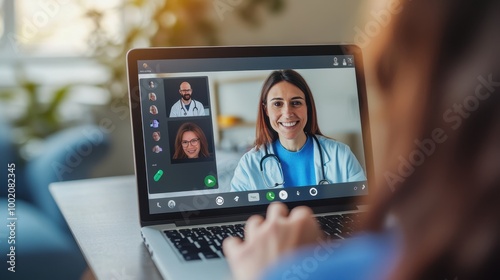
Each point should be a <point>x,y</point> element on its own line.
<point>290,149</point>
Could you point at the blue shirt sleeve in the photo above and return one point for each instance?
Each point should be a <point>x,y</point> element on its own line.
<point>367,256</point>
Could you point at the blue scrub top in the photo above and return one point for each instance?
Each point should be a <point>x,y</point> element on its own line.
<point>339,163</point>
<point>298,169</point>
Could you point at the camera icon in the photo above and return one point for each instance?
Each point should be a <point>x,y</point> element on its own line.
<point>313,191</point>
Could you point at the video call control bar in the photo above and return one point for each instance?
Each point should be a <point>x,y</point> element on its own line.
<point>237,199</point>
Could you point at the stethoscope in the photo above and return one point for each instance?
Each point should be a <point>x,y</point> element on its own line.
<point>274,157</point>
<point>183,109</point>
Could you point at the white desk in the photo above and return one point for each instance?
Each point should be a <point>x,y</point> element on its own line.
<point>103,216</point>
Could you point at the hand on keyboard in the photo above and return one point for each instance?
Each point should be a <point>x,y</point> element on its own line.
<point>267,239</point>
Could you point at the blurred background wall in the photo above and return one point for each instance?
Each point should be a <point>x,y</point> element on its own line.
<point>62,65</point>
<point>63,62</point>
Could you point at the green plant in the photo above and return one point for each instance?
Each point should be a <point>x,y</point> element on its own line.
<point>164,23</point>
<point>38,118</point>
<point>161,23</point>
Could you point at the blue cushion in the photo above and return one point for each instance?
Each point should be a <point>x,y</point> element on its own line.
<point>68,155</point>
<point>8,155</point>
<point>42,249</point>
<point>45,248</point>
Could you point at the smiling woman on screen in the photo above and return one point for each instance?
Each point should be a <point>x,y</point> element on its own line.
<point>290,150</point>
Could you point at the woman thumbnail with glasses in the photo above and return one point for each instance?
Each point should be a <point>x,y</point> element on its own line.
<point>190,142</point>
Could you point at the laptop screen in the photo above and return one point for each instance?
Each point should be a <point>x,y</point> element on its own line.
<point>201,117</point>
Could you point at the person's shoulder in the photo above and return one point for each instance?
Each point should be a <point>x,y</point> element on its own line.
<point>331,142</point>
<point>365,256</point>
<point>252,154</point>
<point>253,151</point>
<point>334,147</point>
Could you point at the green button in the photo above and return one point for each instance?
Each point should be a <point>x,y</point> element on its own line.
<point>270,196</point>
<point>210,181</point>
<point>158,175</point>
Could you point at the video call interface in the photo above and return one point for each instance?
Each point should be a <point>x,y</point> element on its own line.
<point>199,128</point>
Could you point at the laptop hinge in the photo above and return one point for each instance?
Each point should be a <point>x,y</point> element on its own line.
<point>244,217</point>
<point>214,220</point>
<point>336,208</point>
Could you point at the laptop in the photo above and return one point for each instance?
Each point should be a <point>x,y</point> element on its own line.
<point>187,204</point>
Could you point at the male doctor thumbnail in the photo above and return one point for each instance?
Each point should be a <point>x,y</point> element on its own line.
<point>186,106</point>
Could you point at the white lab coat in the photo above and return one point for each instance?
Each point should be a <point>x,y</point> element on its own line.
<point>340,165</point>
<point>179,110</point>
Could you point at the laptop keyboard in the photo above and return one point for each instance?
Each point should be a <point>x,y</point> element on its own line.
<point>206,242</point>
<point>339,226</point>
<point>203,242</point>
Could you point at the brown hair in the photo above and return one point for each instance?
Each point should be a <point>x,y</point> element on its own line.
<point>264,132</point>
<point>185,127</point>
<point>438,65</point>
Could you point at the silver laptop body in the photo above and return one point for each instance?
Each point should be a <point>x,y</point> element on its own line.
<point>178,193</point>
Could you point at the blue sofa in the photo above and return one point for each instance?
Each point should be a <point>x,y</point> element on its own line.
<point>45,248</point>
